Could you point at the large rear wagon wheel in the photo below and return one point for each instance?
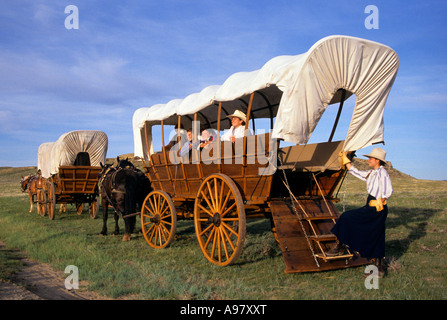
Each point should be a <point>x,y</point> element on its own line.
<point>158,219</point>
<point>219,219</point>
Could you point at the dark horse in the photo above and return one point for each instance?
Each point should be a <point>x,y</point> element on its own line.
<point>124,187</point>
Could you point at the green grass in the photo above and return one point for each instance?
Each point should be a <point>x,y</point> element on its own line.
<point>416,252</point>
<point>10,262</point>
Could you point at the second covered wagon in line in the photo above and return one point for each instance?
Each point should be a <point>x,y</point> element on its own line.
<point>71,167</point>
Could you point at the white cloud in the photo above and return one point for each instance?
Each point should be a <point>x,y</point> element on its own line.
<point>44,14</point>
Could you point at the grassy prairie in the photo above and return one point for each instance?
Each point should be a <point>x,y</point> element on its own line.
<point>416,245</point>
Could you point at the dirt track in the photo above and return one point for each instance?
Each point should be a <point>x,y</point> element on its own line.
<point>39,281</point>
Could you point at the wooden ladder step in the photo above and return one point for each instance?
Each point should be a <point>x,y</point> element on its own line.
<point>323,237</point>
<point>320,217</point>
<point>341,257</point>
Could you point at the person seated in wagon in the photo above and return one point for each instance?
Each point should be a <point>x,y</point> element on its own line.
<point>188,145</point>
<point>207,137</point>
<point>237,130</point>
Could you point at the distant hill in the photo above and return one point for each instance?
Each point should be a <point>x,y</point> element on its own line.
<point>362,164</point>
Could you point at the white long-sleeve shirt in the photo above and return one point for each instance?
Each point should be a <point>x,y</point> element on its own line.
<point>238,132</point>
<point>378,182</point>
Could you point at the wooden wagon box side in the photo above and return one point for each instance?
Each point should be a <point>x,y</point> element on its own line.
<point>250,170</point>
<point>77,179</point>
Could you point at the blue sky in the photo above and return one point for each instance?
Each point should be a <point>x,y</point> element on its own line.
<point>131,54</point>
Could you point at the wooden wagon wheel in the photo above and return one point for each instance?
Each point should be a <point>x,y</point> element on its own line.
<point>158,219</point>
<point>219,219</point>
<point>79,208</point>
<point>93,208</point>
<point>41,202</point>
<point>51,200</point>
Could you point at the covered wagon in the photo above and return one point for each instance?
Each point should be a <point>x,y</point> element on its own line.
<point>293,185</point>
<point>71,167</point>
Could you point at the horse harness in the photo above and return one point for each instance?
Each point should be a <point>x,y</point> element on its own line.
<point>101,186</point>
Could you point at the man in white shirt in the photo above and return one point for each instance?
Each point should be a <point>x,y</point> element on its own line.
<point>237,130</point>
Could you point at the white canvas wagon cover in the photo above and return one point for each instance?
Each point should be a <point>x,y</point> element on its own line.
<point>63,152</point>
<point>296,89</point>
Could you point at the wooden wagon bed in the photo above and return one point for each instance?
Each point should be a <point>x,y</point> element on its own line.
<point>77,180</point>
<point>236,160</point>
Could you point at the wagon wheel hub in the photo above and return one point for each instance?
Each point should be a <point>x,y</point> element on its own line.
<point>155,219</point>
<point>216,219</point>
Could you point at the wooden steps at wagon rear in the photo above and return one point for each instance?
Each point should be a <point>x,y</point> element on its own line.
<point>303,254</point>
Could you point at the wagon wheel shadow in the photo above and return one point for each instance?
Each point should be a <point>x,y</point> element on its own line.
<point>260,243</point>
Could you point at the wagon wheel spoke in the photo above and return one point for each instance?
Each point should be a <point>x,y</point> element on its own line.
<point>219,219</point>
<point>210,195</point>
<point>152,204</point>
<point>222,186</point>
<point>205,197</point>
<point>227,237</point>
<point>147,210</point>
<point>165,213</point>
<point>158,219</point>
<point>205,210</point>
<point>226,200</point>
<point>153,232</point>
<point>229,209</point>
<point>229,228</point>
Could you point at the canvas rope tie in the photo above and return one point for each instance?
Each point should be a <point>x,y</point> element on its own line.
<point>292,197</point>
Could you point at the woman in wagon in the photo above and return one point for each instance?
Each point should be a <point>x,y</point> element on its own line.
<point>237,130</point>
<point>363,229</point>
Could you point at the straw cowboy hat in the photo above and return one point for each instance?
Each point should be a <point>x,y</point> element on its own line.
<point>377,153</point>
<point>238,114</point>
